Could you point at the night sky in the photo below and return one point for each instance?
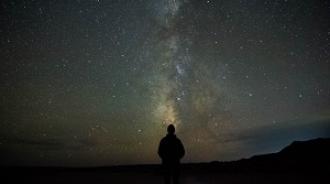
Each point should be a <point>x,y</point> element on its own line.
<point>90,83</point>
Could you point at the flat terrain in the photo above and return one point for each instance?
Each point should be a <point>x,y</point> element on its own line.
<point>152,175</point>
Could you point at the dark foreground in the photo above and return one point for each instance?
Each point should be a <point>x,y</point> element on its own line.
<point>300,162</point>
<point>151,174</point>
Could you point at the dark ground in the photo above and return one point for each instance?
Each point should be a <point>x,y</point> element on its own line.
<point>147,174</point>
<point>300,162</point>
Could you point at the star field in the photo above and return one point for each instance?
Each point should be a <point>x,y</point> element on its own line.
<point>90,83</point>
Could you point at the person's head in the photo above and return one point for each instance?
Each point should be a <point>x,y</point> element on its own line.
<point>170,129</point>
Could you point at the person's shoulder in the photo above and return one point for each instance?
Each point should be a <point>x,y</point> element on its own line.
<point>163,139</point>
<point>168,138</point>
<point>178,140</point>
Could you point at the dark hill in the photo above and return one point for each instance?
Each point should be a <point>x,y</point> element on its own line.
<point>312,156</point>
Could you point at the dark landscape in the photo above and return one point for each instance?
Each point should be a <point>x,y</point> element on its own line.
<point>300,162</point>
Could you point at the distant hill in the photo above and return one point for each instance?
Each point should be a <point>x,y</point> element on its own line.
<point>312,155</point>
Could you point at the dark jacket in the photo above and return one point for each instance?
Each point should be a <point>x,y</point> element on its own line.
<point>171,149</point>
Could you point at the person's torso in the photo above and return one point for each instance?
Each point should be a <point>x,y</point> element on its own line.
<point>171,149</point>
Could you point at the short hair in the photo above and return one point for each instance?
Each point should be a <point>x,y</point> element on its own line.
<point>171,129</point>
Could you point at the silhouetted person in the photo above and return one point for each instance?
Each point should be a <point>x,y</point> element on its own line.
<point>171,151</point>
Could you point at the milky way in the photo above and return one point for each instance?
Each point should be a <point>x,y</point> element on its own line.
<point>88,83</point>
